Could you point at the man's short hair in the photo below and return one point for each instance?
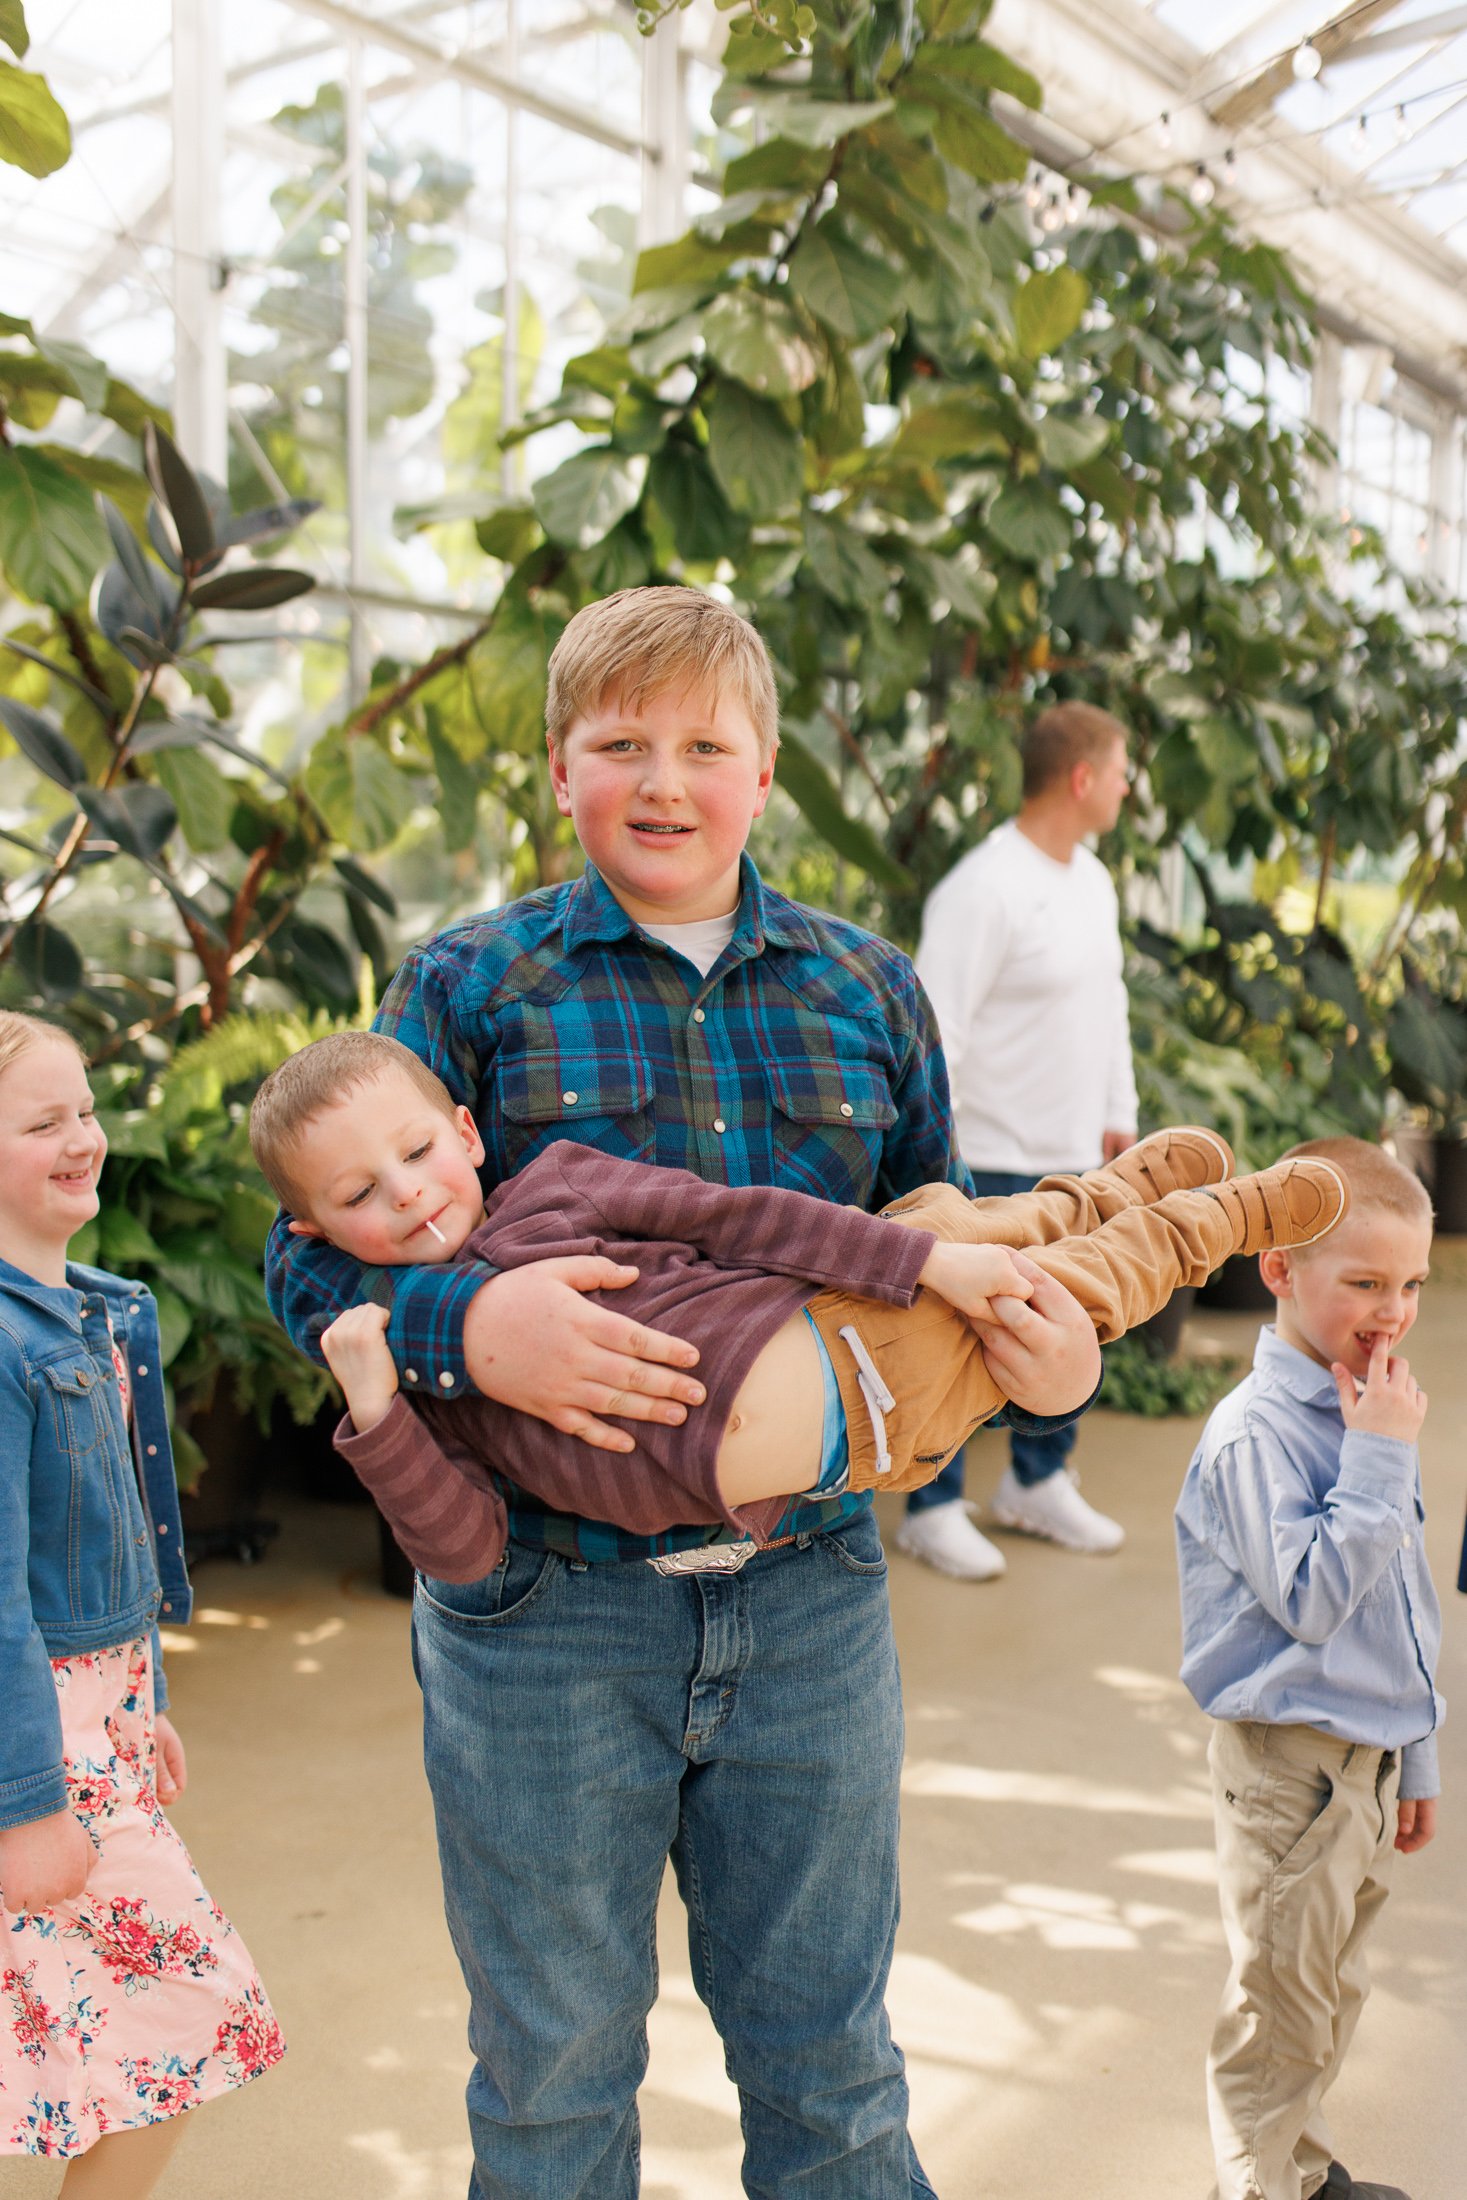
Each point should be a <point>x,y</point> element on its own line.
<point>645,642</point>
<point>1063,736</point>
<point>319,1077</point>
<point>1379,1184</point>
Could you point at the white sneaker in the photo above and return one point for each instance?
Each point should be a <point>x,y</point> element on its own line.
<point>943,1536</point>
<point>1055,1508</point>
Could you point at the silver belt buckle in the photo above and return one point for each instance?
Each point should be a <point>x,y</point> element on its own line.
<point>713,1558</point>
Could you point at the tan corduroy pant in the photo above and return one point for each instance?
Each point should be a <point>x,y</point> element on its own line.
<point>1305,1830</point>
<point>1120,1258</point>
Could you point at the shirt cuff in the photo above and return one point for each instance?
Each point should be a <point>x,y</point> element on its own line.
<point>1040,1424</point>
<point>425,1333</point>
<point>1420,1778</point>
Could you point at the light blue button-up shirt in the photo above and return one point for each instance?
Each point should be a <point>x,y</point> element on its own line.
<point>1306,1599</point>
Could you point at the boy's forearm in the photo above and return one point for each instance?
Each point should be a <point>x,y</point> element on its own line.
<point>450,1525</point>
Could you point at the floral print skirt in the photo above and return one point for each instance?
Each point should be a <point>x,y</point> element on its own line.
<point>138,1999</point>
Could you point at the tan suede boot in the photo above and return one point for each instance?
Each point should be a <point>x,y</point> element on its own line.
<point>1293,1203</point>
<point>1182,1159</point>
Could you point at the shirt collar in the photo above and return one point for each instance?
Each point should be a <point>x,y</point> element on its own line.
<point>594,916</point>
<point>1288,1369</point>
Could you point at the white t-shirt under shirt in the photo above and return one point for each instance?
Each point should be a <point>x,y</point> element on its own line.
<point>1021,958</point>
<point>702,943</point>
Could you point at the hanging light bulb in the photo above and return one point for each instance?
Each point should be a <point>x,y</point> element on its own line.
<point>1230,166</point>
<point>1402,126</point>
<point>1053,216</point>
<point>1362,134</point>
<point>1201,190</point>
<point>1308,61</point>
<point>1164,133</point>
<point>1034,196</point>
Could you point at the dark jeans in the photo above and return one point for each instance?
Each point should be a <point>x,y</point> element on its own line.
<point>1034,1458</point>
<point>583,1722</point>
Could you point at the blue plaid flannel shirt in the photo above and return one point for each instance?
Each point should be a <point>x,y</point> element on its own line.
<point>808,1057</point>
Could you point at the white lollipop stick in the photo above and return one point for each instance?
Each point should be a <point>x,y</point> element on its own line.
<point>436,1231</point>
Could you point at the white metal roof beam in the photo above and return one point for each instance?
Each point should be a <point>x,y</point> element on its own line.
<point>1424,31</point>
<point>465,70</point>
<point>1341,35</point>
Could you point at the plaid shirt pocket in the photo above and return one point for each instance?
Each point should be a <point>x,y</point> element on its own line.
<point>547,1092</point>
<point>829,1111</point>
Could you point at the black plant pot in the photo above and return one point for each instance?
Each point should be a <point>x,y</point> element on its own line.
<point>1237,1288</point>
<point>1449,1184</point>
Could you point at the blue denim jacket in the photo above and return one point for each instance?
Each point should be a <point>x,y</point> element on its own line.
<point>91,1547</point>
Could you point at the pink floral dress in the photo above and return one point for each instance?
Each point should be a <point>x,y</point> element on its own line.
<point>138,1999</point>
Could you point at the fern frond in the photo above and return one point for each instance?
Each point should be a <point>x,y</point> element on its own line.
<point>239,1051</point>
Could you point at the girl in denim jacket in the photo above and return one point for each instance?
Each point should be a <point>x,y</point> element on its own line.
<point>126,1997</point>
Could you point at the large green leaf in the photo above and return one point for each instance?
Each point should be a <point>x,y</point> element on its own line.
<point>844,565</point>
<point>808,784</point>
<point>49,958</point>
<point>1047,309</point>
<point>252,588</point>
<point>1068,440</point>
<point>202,795</point>
<point>759,341</point>
<point>507,676</point>
<point>41,740</point>
<point>796,116</point>
<point>139,817</point>
<point>1027,522</point>
<point>585,497</point>
<point>34,132</point>
<point>13,28</point>
<point>686,492</point>
<point>985,69</point>
<point>848,289</point>
<point>755,453</point>
<point>359,793</point>
<point>691,259</point>
<point>953,427</point>
<point>51,538</point>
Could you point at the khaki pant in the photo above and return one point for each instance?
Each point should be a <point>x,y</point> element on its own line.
<point>1120,1258</point>
<point>1305,1831</point>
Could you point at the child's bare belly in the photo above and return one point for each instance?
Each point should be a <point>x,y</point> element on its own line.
<point>772,1444</point>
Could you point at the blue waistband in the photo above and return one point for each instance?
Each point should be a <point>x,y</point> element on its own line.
<point>835,1450</point>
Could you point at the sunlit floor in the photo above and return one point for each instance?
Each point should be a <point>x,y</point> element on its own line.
<point>1060,1952</point>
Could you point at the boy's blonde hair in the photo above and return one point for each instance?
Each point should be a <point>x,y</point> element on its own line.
<point>645,642</point>
<point>19,1033</point>
<point>1063,736</point>
<point>1379,1184</point>
<point>319,1077</point>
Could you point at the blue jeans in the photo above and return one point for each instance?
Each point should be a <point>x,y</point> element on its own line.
<point>583,1722</point>
<point>1034,1457</point>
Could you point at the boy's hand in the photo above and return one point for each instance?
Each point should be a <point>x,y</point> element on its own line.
<point>1044,1355</point>
<point>355,1350</point>
<point>1391,1404</point>
<point>44,1863</point>
<point>171,1768</point>
<point>970,1277</point>
<point>1415,1824</point>
<point>534,1341</point>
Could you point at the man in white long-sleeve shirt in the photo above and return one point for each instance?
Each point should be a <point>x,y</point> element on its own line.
<point>1021,957</point>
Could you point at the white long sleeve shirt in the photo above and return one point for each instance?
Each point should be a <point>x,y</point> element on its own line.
<point>1021,958</point>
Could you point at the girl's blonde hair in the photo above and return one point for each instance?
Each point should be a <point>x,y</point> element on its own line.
<point>19,1033</point>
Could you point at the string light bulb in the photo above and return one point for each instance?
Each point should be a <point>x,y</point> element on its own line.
<point>1164,133</point>
<point>1053,216</point>
<point>1201,190</point>
<point>1308,61</point>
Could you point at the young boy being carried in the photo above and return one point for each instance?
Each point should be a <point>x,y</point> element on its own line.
<point>1310,1633</point>
<point>862,1384</point>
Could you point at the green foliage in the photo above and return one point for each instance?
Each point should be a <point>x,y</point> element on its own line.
<point>1137,1381</point>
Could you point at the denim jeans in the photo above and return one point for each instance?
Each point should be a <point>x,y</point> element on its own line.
<point>1034,1457</point>
<point>584,1722</point>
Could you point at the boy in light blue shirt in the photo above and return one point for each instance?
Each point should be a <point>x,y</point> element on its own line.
<point>1310,1634</point>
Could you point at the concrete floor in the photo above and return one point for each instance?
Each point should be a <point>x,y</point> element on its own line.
<point>1060,1952</point>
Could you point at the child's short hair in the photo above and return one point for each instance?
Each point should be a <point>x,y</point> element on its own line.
<point>319,1077</point>
<point>1379,1184</point>
<point>1063,736</point>
<point>19,1033</point>
<point>644,642</point>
